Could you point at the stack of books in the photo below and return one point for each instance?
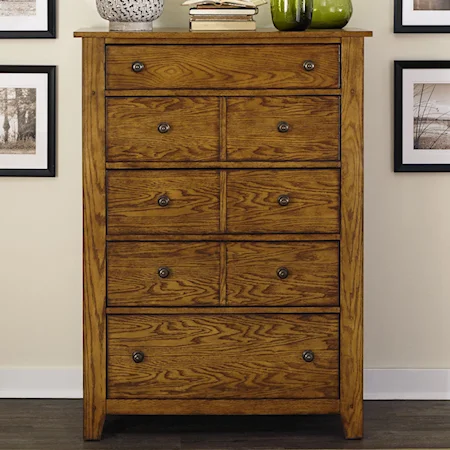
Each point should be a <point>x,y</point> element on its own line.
<point>223,15</point>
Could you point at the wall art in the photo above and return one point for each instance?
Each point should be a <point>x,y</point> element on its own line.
<point>27,121</point>
<point>422,116</point>
<point>27,19</point>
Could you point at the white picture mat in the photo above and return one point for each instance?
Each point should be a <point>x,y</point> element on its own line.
<point>38,22</point>
<point>39,81</point>
<point>425,18</point>
<point>410,78</point>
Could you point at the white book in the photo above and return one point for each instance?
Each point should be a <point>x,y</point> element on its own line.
<point>231,3</point>
<point>223,12</point>
<point>223,26</point>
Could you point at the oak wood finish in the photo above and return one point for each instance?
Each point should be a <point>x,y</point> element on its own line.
<point>253,128</point>
<point>94,243</point>
<point>224,407</point>
<point>352,246</point>
<point>133,133</point>
<point>313,278</point>
<point>252,197</point>
<point>260,356</point>
<point>133,278</point>
<point>223,333</point>
<point>223,309</point>
<point>132,202</point>
<point>244,67</point>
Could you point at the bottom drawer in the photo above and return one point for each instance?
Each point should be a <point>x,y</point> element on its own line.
<point>223,356</point>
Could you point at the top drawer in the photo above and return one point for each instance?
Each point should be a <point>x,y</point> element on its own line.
<point>222,66</point>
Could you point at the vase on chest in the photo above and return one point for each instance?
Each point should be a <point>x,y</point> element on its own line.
<point>331,13</point>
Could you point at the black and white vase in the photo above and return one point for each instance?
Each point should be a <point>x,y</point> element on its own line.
<point>130,15</point>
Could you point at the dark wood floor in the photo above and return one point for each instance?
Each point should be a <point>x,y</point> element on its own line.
<point>56,425</point>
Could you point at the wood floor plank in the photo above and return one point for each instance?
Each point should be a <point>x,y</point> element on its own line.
<point>57,425</point>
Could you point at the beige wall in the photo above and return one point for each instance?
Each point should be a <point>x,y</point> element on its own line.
<point>407,215</point>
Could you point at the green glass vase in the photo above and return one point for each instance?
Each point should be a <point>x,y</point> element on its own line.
<point>331,13</point>
<point>291,15</point>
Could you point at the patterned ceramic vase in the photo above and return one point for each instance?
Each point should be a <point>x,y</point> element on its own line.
<point>331,13</point>
<point>130,15</point>
<point>291,15</point>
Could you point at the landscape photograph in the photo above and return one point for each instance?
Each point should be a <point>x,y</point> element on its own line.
<point>431,5</point>
<point>17,8</point>
<point>432,116</point>
<point>17,121</point>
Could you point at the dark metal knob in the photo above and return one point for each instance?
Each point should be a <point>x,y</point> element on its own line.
<point>282,273</point>
<point>308,356</point>
<point>138,66</point>
<point>163,201</point>
<point>163,127</point>
<point>138,357</point>
<point>283,127</point>
<point>309,66</point>
<point>283,200</point>
<point>163,272</point>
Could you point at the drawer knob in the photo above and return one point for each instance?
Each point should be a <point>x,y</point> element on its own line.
<point>309,66</point>
<point>138,66</point>
<point>138,357</point>
<point>308,356</point>
<point>163,272</point>
<point>282,273</point>
<point>283,200</point>
<point>163,201</point>
<point>163,128</point>
<point>283,127</point>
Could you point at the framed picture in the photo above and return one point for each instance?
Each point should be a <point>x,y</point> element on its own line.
<point>422,116</point>
<point>27,121</point>
<point>27,19</point>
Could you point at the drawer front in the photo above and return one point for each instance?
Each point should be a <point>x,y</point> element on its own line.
<point>283,274</point>
<point>222,66</point>
<point>163,129</point>
<point>161,202</point>
<point>163,274</point>
<point>223,356</point>
<point>283,128</point>
<point>283,201</point>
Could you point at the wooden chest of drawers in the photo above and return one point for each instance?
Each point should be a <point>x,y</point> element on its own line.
<point>223,245</point>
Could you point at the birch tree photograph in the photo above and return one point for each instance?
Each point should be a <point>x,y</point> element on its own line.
<point>17,8</point>
<point>17,121</point>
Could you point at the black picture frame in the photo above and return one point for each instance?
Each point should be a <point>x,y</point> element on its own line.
<point>399,66</point>
<point>400,28</point>
<point>50,170</point>
<point>50,33</point>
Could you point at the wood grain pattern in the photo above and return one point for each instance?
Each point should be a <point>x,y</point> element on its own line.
<point>224,310</point>
<point>222,66</point>
<point>94,232</point>
<point>183,34</point>
<point>253,128</point>
<point>219,92</point>
<point>287,237</point>
<point>133,202</point>
<point>253,201</point>
<point>241,356</point>
<point>224,407</point>
<point>313,274</point>
<point>223,274</point>
<point>226,165</point>
<point>352,283</point>
<point>133,129</point>
<point>133,278</point>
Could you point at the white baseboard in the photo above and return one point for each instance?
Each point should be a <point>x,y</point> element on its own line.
<point>379,384</point>
<point>41,383</point>
<point>407,384</point>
